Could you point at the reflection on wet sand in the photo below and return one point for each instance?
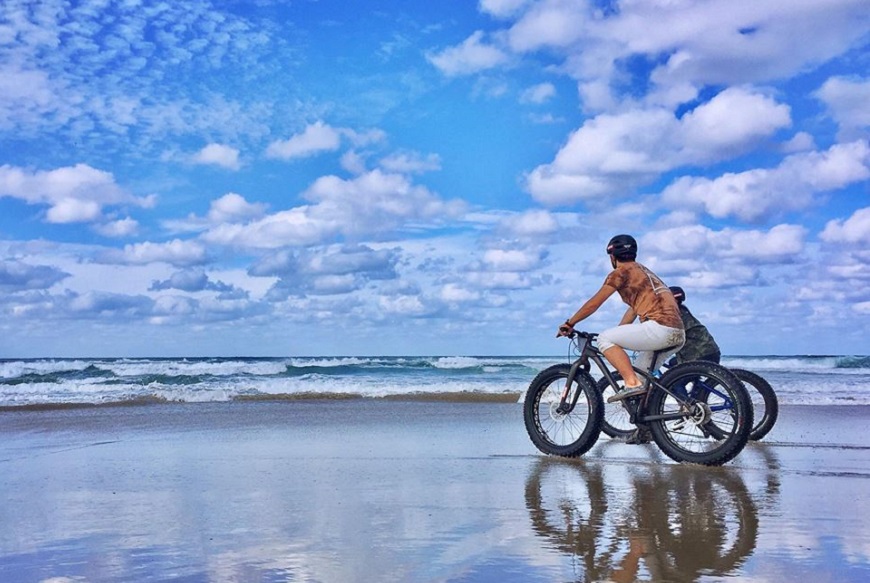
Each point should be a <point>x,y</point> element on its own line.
<point>629,522</point>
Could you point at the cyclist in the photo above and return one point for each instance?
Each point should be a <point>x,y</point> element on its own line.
<point>660,330</point>
<point>699,342</point>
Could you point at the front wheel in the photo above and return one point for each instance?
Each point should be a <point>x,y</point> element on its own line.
<point>764,402</point>
<point>555,432</point>
<point>710,430</point>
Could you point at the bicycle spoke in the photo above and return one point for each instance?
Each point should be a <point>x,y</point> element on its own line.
<point>561,429</point>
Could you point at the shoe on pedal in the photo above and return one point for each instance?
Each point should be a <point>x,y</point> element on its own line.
<point>639,436</point>
<point>626,393</point>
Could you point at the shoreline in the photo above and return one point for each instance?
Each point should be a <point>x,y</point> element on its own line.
<point>312,396</point>
<point>428,397</point>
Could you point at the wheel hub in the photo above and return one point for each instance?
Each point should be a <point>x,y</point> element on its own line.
<point>700,414</point>
<point>555,414</point>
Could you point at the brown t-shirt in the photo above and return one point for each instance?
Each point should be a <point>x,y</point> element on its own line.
<point>645,293</point>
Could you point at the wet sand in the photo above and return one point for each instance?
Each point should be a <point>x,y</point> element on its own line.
<point>372,490</point>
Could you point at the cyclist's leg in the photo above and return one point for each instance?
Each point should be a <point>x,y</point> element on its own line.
<point>612,343</point>
<point>650,339</point>
<point>646,338</point>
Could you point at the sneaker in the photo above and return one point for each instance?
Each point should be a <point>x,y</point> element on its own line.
<point>639,436</point>
<point>626,393</point>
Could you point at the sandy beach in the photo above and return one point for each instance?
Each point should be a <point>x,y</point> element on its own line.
<point>391,490</point>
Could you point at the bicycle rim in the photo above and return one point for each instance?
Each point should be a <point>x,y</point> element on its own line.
<point>617,420</point>
<point>715,428</point>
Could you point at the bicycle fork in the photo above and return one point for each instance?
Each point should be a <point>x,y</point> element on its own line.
<point>565,407</point>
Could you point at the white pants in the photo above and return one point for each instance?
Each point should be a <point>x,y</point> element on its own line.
<point>646,338</point>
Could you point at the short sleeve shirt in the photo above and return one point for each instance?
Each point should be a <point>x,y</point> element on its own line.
<point>645,293</point>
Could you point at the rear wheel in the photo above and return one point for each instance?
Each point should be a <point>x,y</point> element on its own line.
<point>710,430</point>
<point>765,405</point>
<point>617,420</point>
<point>554,432</point>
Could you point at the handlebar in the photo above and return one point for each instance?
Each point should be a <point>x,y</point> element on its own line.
<point>580,334</point>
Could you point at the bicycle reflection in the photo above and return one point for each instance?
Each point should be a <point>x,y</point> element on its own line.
<point>644,522</point>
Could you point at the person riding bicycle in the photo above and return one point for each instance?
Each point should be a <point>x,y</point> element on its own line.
<point>660,330</point>
<point>700,344</point>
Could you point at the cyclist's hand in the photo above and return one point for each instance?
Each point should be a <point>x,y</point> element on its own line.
<point>564,330</point>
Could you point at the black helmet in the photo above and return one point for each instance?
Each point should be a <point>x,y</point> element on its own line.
<point>679,294</point>
<point>622,247</point>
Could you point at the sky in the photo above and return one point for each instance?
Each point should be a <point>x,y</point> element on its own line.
<point>407,177</point>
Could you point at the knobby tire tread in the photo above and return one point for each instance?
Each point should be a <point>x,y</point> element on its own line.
<point>584,382</point>
<point>771,404</point>
<point>732,444</point>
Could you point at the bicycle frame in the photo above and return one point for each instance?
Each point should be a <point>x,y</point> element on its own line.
<point>583,343</point>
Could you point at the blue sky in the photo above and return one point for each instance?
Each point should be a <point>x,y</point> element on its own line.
<point>400,177</point>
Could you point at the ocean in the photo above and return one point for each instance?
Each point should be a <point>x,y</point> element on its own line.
<point>830,380</point>
<point>57,382</point>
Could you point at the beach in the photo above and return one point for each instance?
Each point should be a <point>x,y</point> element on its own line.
<point>361,489</point>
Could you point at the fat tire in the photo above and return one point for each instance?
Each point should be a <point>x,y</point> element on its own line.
<point>531,411</point>
<point>765,423</point>
<point>726,448</point>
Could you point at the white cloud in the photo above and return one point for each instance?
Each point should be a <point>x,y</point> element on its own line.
<point>502,8</point>
<point>512,259</point>
<point>218,155</point>
<point>531,223</point>
<point>472,56</point>
<point>538,93</point>
<point>100,79</point>
<point>551,23</point>
<point>353,162</point>
<point>800,142</point>
<point>291,227</point>
<point>109,305</point>
<point>496,280</point>
<point>781,243</point>
<point>365,138</point>
<point>855,229</point>
<point>701,258</point>
<point>372,203</point>
<point>17,276</point>
<point>73,193</point>
<point>233,207</point>
<point>120,228</point>
<point>614,153</point>
<point>411,162</point>
<point>760,193</point>
<point>730,123</point>
<point>315,139</point>
<point>847,99</point>
<point>175,252</point>
<point>375,201</point>
<point>25,96</point>
<point>708,43</point>
<point>73,210</point>
<point>454,293</point>
<point>405,305</point>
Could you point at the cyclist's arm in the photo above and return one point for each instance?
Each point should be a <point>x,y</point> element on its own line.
<point>628,317</point>
<point>591,305</point>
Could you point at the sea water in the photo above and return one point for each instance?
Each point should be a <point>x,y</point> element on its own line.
<point>829,380</point>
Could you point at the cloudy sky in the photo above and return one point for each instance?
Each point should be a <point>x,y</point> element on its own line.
<point>337,177</point>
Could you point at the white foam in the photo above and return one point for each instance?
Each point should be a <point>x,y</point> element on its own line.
<point>17,368</point>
